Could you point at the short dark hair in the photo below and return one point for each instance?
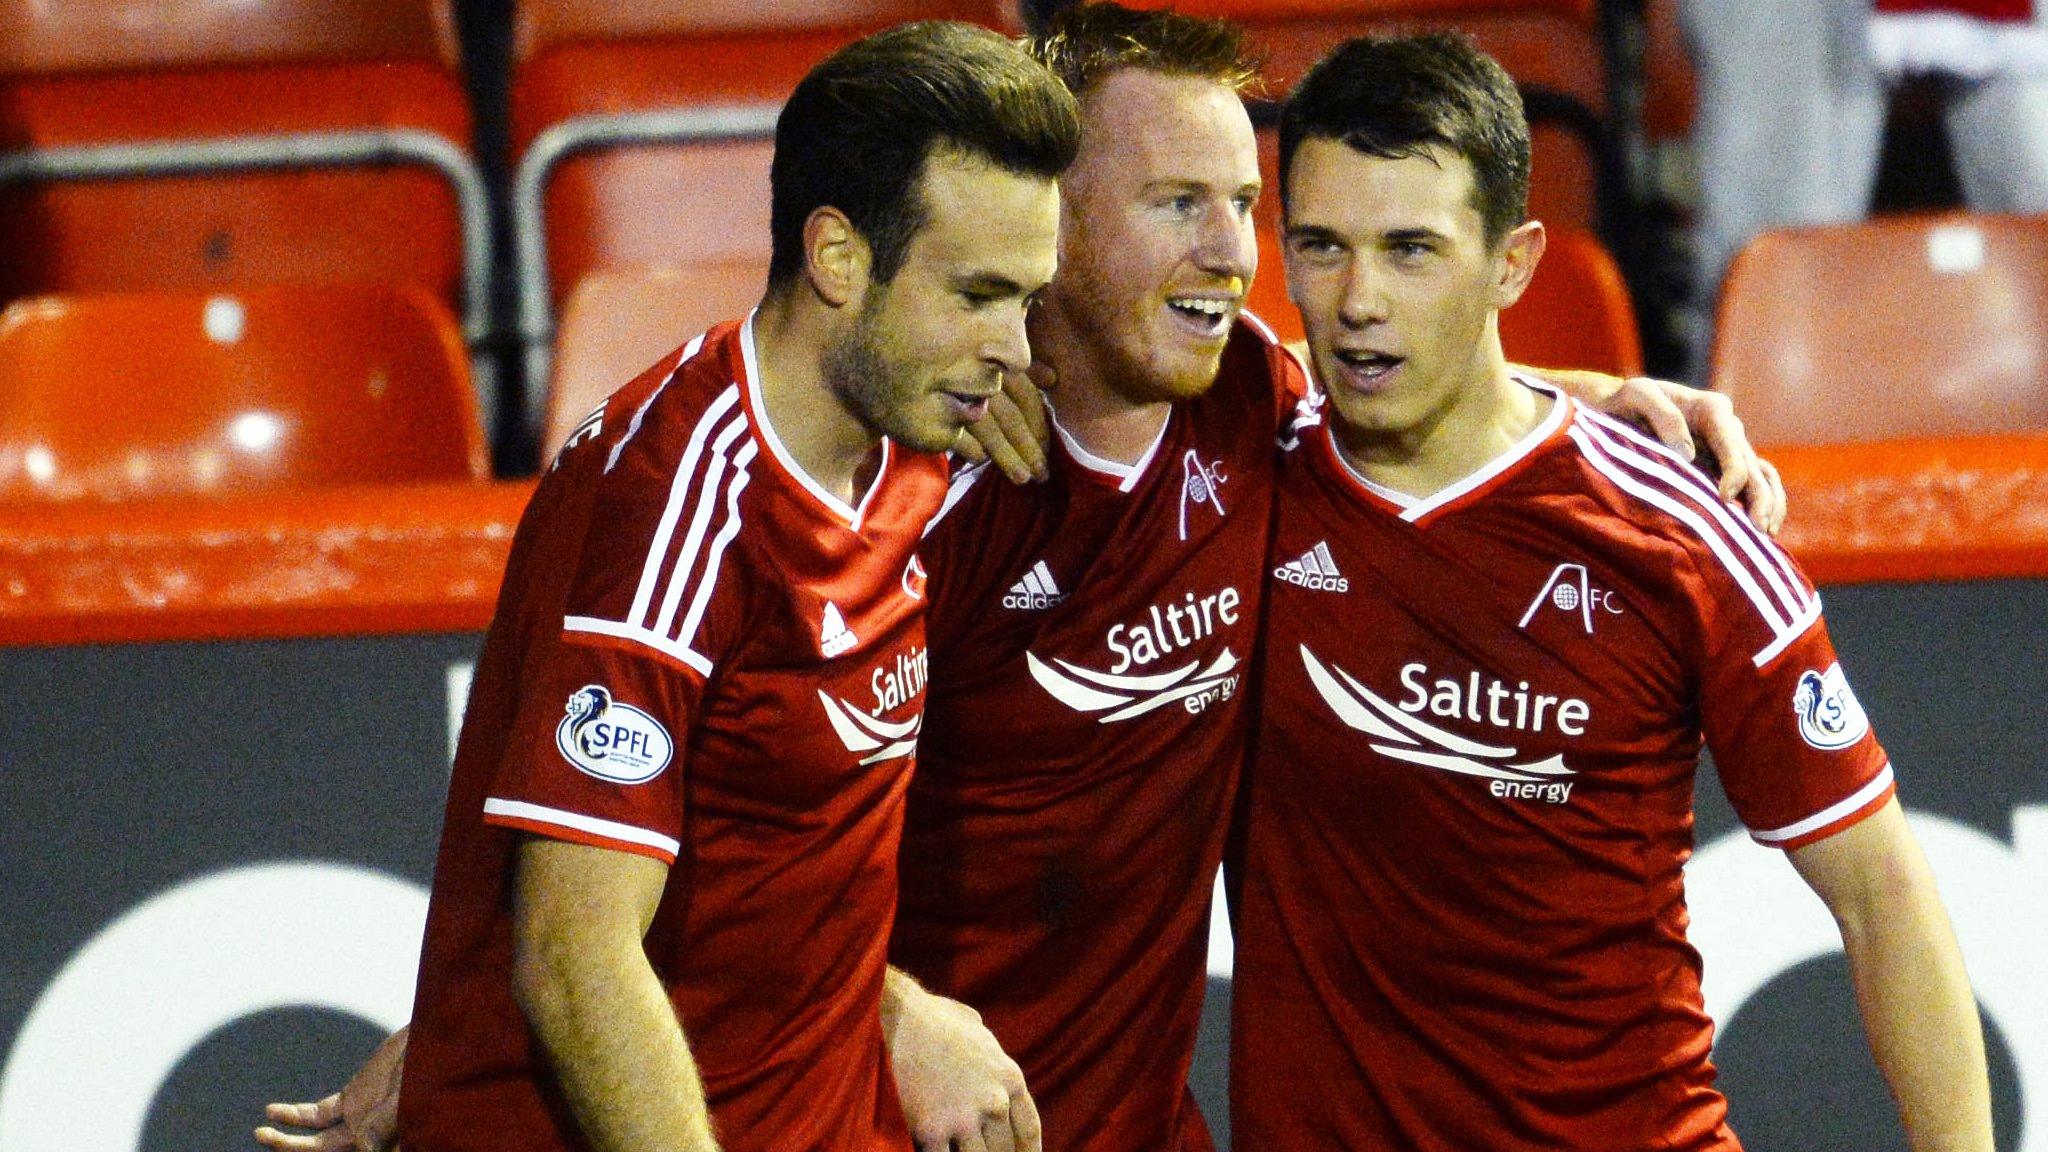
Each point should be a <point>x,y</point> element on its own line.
<point>1083,44</point>
<point>1393,97</point>
<point>857,132</point>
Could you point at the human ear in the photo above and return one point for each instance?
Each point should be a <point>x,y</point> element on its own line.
<point>836,257</point>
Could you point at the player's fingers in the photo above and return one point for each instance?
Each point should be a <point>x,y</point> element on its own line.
<point>1654,406</point>
<point>1023,439</point>
<point>318,1114</point>
<point>325,1140</point>
<point>1768,503</point>
<point>1028,399</point>
<point>970,1141</point>
<point>968,448</point>
<point>1024,1122</point>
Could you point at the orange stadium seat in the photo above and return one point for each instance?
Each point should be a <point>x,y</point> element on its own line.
<point>128,395</point>
<point>200,144</point>
<point>1892,328</point>
<point>619,321</point>
<point>618,165</point>
<point>1575,314</point>
<point>1670,96</point>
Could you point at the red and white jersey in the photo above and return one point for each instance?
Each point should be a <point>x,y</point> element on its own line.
<point>702,657</point>
<point>1090,641</point>
<point>1463,920</point>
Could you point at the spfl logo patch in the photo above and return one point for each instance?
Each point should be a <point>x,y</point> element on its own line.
<point>1829,716</point>
<point>610,740</point>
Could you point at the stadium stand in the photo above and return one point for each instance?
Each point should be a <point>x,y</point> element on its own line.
<point>1575,314</point>
<point>190,145</point>
<point>1891,328</point>
<point>126,396</point>
<point>641,134</point>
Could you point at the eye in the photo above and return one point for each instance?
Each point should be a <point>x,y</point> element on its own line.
<point>1245,202</point>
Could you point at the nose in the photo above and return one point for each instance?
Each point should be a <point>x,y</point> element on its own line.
<point>1365,300</point>
<point>1006,346</point>
<point>1226,243</point>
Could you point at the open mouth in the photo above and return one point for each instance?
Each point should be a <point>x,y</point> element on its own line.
<point>970,406</point>
<point>1368,367</point>
<point>1207,315</point>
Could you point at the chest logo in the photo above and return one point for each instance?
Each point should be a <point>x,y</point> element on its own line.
<point>1193,686</point>
<point>1035,591</point>
<point>834,637</point>
<point>1315,570</point>
<point>1830,717</point>
<point>1570,591</point>
<point>1399,736</point>
<point>610,740</point>
<point>866,733</point>
<point>1200,484</point>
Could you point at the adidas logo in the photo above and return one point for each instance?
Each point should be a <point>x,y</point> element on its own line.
<point>834,637</point>
<point>1315,570</point>
<point>1035,590</point>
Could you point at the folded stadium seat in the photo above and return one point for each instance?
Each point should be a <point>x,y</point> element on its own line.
<point>619,321</point>
<point>1575,314</point>
<point>130,395</point>
<point>1892,328</point>
<point>1670,99</point>
<point>197,144</point>
<point>642,132</point>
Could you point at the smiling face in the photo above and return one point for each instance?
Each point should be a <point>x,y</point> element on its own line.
<point>929,347</point>
<point>1397,286</point>
<point>1157,249</point>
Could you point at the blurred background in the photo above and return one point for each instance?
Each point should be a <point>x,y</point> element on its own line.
<point>299,295</point>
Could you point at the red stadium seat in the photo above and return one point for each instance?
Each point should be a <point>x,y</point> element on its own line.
<point>1575,314</point>
<point>193,144</point>
<point>133,395</point>
<point>598,188</point>
<point>1670,99</point>
<point>621,320</point>
<point>1888,329</point>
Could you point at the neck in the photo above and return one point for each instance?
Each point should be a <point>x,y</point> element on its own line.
<point>1091,409</point>
<point>1486,416</point>
<point>833,447</point>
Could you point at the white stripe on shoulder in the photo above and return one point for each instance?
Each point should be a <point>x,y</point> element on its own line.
<point>956,490</point>
<point>576,821</point>
<point>688,635</point>
<point>719,417</point>
<point>1829,814</point>
<point>694,660</point>
<point>709,488</point>
<point>689,353</point>
<point>1757,544</point>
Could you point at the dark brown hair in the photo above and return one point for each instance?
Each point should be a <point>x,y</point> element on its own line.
<point>1394,97</point>
<point>859,129</point>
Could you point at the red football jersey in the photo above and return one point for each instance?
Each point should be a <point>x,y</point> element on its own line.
<point>702,657</point>
<point>1463,919</point>
<point>1090,638</point>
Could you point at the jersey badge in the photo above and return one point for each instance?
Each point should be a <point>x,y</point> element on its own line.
<point>1192,686</point>
<point>1200,484</point>
<point>1036,590</point>
<point>1570,590</point>
<point>1315,570</point>
<point>834,637</point>
<point>1830,718</point>
<point>587,430</point>
<point>914,578</point>
<point>1395,733</point>
<point>611,740</point>
<point>879,739</point>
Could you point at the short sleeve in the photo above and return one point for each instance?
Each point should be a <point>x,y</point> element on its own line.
<point>598,751</point>
<point>1796,754</point>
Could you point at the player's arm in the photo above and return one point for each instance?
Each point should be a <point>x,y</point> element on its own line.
<point>959,1089</point>
<point>362,1117</point>
<point>1918,1010</point>
<point>582,978</point>
<point>1678,415</point>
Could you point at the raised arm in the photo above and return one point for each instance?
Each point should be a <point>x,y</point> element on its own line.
<point>583,980</point>
<point>1918,1010</point>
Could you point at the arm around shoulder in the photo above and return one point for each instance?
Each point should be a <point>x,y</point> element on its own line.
<point>1918,1009</point>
